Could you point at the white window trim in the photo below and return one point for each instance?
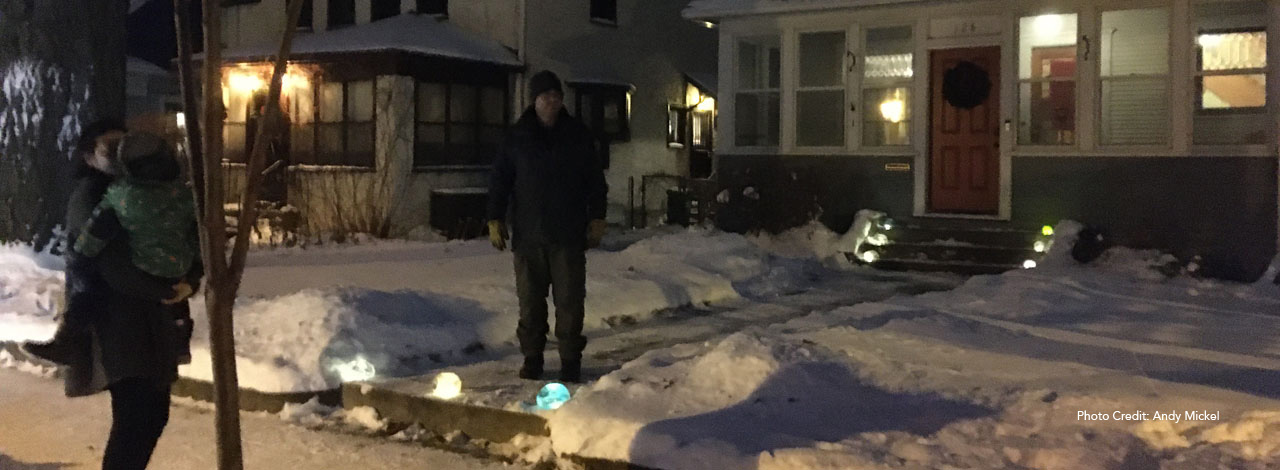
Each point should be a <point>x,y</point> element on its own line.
<point>730,40</point>
<point>1016,91</point>
<point>1175,93</point>
<point>913,96</point>
<point>791,81</point>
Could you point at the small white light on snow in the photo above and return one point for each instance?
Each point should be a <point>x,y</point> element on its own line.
<point>870,256</point>
<point>552,396</point>
<point>355,370</point>
<point>448,386</point>
<point>1039,247</point>
<point>1028,264</point>
<point>878,239</point>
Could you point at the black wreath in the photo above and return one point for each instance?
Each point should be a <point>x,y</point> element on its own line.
<point>966,85</point>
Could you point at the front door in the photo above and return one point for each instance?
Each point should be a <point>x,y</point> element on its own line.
<point>964,139</point>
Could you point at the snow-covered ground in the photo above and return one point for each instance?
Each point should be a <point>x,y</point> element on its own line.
<point>308,319</point>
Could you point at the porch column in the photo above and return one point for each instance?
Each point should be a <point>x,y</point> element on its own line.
<point>394,100</point>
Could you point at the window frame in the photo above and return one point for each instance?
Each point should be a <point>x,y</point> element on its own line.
<point>1172,78</point>
<point>346,157</point>
<point>735,88</point>
<point>306,20</point>
<point>793,141</point>
<point>910,84</point>
<point>1198,72</point>
<point>330,22</point>
<point>1083,85</point>
<point>478,124</point>
<point>602,94</point>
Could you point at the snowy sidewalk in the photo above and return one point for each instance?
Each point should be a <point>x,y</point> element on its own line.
<point>43,431</point>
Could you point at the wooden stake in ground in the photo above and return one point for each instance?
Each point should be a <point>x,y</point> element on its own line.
<point>223,275</point>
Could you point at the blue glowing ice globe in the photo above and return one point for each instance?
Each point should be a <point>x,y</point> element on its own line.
<point>552,396</point>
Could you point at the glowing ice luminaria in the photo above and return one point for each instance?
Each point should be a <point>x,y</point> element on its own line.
<point>878,239</point>
<point>552,396</point>
<point>1029,264</point>
<point>354,370</point>
<point>1047,230</point>
<point>870,256</point>
<point>448,386</point>
<point>1039,246</point>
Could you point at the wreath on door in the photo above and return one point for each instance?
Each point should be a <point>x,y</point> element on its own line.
<point>966,85</point>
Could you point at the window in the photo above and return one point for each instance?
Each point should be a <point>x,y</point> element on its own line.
<point>1230,73</point>
<point>604,10</point>
<point>1047,79</point>
<point>886,87</point>
<point>306,20</point>
<point>433,7</point>
<point>677,125</point>
<point>605,109</point>
<point>1135,77</point>
<point>342,13</point>
<point>458,124</point>
<point>235,141</point>
<point>820,100</point>
<point>345,131</point>
<point>379,9</point>
<point>756,100</point>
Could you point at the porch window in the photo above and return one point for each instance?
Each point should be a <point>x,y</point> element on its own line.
<point>605,11</point>
<point>380,9</point>
<point>1134,52</point>
<point>433,7</point>
<point>756,100</point>
<point>886,87</point>
<point>235,140</point>
<point>820,100</point>
<point>605,109</point>
<point>1047,79</point>
<point>345,131</point>
<point>458,124</point>
<point>1230,75</point>
<point>341,13</point>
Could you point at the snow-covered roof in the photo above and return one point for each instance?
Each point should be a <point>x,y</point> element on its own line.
<point>714,9</point>
<point>417,34</point>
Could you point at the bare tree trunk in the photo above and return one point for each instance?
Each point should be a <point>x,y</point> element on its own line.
<point>190,102</point>
<point>222,275</point>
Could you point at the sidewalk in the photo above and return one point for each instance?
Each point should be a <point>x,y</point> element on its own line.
<point>43,431</point>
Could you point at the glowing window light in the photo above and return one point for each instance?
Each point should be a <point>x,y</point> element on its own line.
<point>893,110</point>
<point>1047,231</point>
<point>182,120</point>
<point>1039,247</point>
<point>245,83</point>
<point>1029,264</point>
<point>878,239</point>
<point>356,370</point>
<point>870,256</point>
<point>294,80</point>
<point>448,386</point>
<point>552,396</point>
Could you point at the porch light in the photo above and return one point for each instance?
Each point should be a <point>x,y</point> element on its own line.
<point>870,256</point>
<point>707,104</point>
<point>1039,246</point>
<point>1048,26</point>
<point>448,386</point>
<point>355,370</point>
<point>708,24</point>
<point>245,83</point>
<point>552,396</point>
<point>1047,230</point>
<point>1029,264</point>
<point>893,110</point>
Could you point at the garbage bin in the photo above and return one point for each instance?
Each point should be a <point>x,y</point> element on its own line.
<point>678,207</point>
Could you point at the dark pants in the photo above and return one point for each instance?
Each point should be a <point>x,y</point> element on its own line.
<point>564,270</point>
<point>139,412</point>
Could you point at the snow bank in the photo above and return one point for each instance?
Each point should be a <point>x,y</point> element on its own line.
<point>30,293</point>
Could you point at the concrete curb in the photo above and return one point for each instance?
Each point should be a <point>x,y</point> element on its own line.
<point>491,424</point>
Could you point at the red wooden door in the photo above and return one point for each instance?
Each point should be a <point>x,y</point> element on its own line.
<point>964,139</point>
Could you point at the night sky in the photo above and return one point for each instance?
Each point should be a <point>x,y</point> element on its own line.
<point>152,35</point>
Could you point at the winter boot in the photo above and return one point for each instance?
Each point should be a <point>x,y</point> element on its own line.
<point>571,370</point>
<point>532,368</point>
<point>60,349</point>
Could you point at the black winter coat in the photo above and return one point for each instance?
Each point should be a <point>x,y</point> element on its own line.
<point>133,335</point>
<point>551,181</point>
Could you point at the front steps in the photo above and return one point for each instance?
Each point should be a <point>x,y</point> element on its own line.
<point>959,246</point>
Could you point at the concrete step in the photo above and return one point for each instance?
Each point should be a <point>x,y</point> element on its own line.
<point>956,252</point>
<point>958,267</point>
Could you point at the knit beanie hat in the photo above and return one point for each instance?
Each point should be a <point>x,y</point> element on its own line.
<point>543,82</point>
<point>148,157</point>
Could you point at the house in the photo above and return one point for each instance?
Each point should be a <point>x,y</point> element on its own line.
<point>396,107</point>
<point>1150,120</point>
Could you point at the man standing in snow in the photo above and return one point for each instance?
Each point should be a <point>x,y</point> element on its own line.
<point>548,176</point>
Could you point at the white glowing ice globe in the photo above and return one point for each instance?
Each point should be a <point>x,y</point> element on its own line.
<point>448,386</point>
<point>1028,264</point>
<point>355,370</point>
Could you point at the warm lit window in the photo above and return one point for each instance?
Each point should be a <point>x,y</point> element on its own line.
<point>820,101</point>
<point>1230,74</point>
<point>1047,79</point>
<point>1134,51</point>
<point>756,100</point>
<point>886,87</point>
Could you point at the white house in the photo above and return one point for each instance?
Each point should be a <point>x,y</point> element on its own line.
<point>1152,120</point>
<point>396,106</point>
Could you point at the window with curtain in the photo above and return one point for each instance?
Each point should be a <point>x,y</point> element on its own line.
<point>1047,79</point>
<point>820,100</point>
<point>1134,55</point>
<point>1230,73</point>
<point>886,86</point>
<point>759,86</point>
